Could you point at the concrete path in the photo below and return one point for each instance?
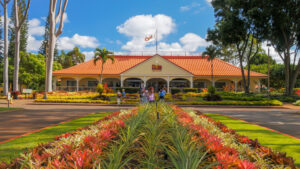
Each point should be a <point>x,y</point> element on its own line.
<point>284,120</point>
<point>34,117</point>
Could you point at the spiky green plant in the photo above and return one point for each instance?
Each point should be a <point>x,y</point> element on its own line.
<point>184,153</point>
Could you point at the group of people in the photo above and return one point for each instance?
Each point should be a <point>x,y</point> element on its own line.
<point>149,95</point>
<point>146,95</point>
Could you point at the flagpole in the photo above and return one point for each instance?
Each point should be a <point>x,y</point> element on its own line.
<point>156,40</point>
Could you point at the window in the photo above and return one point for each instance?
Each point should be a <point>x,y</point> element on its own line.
<point>199,84</point>
<point>220,85</point>
<point>92,83</point>
<point>71,83</point>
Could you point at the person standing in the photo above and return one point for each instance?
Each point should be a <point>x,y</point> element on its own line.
<point>119,95</point>
<point>123,96</point>
<point>162,94</point>
<point>151,96</point>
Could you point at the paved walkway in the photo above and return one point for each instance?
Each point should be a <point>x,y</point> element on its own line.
<point>35,116</point>
<point>283,120</point>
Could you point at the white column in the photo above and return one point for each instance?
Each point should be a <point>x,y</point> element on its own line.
<point>259,86</point>
<point>145,81</point>
<point>191,82</point>
<point>121,81</point>
<point>213,83</point>
<point>54,83</point>
<point>168,84</point>
<point>77,85</point>
<point>235,85</point>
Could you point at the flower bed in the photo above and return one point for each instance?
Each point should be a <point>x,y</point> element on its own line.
<point>240,103</point>
<point>231,149</point>
<point>141,138</point>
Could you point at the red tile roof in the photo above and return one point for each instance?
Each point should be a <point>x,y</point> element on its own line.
<point>200,66</point>
<point>196,65</point>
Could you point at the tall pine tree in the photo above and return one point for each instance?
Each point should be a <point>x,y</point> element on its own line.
<point>24,31</point>
<point>43,48</point>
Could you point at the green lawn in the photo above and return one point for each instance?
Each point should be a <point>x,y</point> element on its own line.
<point>7,109</point>
<point>12,149</point>
<point>266,137</point>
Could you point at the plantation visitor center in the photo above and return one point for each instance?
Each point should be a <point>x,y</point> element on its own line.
<point>155,71</point>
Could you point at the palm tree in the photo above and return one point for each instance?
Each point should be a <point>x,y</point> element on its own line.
<point>103,55</point>
<point>212,52</point>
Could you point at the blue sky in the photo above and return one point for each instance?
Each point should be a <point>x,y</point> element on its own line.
<point>120,25</point>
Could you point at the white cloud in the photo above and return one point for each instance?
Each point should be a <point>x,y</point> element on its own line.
<point>138,27</point>
<point>35,28</point>
<point>88,55</point>
<point>67,43</point>
<point>33,44</point>
<point>209,1</point>
<point>191,42</point>
<point>35,31</point>
<point>65,18</point>
<point>190,7</point>
<point>273,52</point>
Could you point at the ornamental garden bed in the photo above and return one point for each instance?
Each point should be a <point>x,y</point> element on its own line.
<point>139,138</point>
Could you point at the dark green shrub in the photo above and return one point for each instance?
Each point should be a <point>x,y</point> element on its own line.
<point>176,90</point>
<point>211,90</point>
<point>212,97</point>
<point>186,90</point>
<point>129,89</point>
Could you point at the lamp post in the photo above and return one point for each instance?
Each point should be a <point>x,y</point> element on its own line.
<point>268,68</point>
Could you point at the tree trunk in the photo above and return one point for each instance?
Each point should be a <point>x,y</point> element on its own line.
<point>53,35</point>
<point>16,61</point>
<point>5,66</point>
<point>101,75</point>
<point>287,74</point>
<point>294,77</point>
<point>212,73</point>
<point>243,74</point>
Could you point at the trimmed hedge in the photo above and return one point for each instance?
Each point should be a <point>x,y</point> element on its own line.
<point>241,103</point>
<point>129,89</point>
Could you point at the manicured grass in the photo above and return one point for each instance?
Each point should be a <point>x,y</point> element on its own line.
<point>8,109</point>
<point>266,137</point>
<point>12,149</point>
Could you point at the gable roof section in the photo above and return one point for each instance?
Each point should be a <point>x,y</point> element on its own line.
<point>122,63</point>
<point>200,66</point>
<point>196,65</point>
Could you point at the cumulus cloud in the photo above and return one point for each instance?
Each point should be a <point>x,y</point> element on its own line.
<point>191,42</point>
<point>35,31</point>
<point>68,43</point>
<point>140,26</point>
<point>88,55</point>
<point>35,27</point>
